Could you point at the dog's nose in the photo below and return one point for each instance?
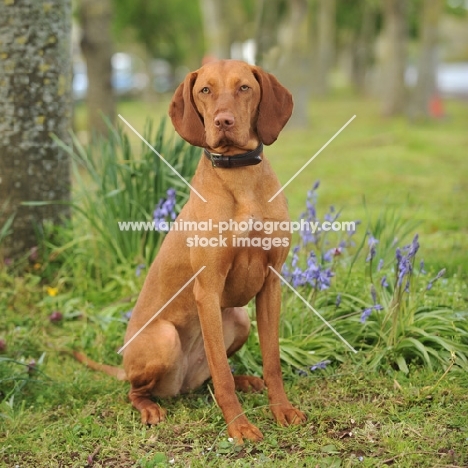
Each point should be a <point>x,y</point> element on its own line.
<point>224,120</point>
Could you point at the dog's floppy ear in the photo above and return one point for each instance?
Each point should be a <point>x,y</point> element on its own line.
<point>184,115</point>
<point>275,106</point>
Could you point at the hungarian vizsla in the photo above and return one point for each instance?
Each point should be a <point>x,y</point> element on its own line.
<point>230,109</point>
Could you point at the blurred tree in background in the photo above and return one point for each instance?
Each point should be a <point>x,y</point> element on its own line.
<point>168,29</point>
<point>97,47</point>
<point>426,85</point>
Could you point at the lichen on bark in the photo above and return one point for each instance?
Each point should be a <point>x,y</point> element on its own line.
<point>35,102</point>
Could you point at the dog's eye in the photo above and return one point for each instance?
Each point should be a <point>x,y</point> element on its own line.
<point>205,90</point>
<point>244,87</point>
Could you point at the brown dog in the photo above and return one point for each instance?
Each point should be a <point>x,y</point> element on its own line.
<point>229,108</point>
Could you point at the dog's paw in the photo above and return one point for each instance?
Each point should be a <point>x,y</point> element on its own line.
<point>152,415</point>
<point>241,429</point>
<point>248,383</point>
<point>286,415</point>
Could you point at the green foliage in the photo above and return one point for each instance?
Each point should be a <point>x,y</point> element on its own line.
<point>114,183</point>
<point>405,321</point>
<point>169,29</point>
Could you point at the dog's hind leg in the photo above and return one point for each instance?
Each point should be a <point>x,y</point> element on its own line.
<point>155,369</point>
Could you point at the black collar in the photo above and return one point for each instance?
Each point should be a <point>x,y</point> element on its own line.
<point>239,160</point>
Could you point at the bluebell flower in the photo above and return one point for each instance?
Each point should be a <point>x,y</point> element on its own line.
<point>373,294</point>
<point>380,264</point>
<point>331,216</point>
<point>301,372</point>
<point>398,255</point>
<point>372,242</point>
<point>338,300</point>
<point>365,314</point>
<point>165,209</point>
<point>421,268</point>
<point>319,365</point>
<point>384,282</point>
<point>413,247</point>
<point>139,268</point>
<point>127,315</point>
<point>330,254</point>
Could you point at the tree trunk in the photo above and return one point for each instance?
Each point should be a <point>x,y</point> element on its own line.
<point>35,91</point>
<point>268,21</point>
<point>96,45</point>
<point>326,22</point>
<point>217,36</point>
<point>393,78</point>
<point>362,53</point>
<point>426,85</point>
<point>294,66</point>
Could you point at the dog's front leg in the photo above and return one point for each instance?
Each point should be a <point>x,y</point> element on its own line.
<point>268,305</point>
<point>209,312</point>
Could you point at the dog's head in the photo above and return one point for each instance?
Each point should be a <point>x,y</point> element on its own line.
<point>229,104</point>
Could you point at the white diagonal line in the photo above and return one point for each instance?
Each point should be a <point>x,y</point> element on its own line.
<point>312,158</point>
<point>313,310</point>
<point>162,159</point>
<point>161,309</point>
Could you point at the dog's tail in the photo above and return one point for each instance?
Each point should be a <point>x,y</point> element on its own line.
<point>116,372</point>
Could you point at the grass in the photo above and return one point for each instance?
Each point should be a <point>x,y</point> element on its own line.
<point>355,418</point>
<point>55,412</point>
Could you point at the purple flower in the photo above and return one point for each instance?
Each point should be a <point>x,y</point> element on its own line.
<point>331,216</point>
<point>127,315</point>
<point>372,242</point>
<point>380,264</point>
<point>319,365</point>
<point>56,316</point>
<point>330,254</point>
<point>398,255</point>
<point>310,216</point>
<point>338,300</point>
<point>373,294</point>
<point>165,209</point>
<point>413,247</point>
<point>301,372</point>
<point>421,268</point>
<point>383,282</point>
<point>139,269</point>
<point>365,314</point>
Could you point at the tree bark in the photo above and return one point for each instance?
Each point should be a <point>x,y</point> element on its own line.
<point>96,45</point>
<point>395,35</point>
<point>35,101</point>
<point>426,85</point>
<point>326,22</point>
<point>362,53</point>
